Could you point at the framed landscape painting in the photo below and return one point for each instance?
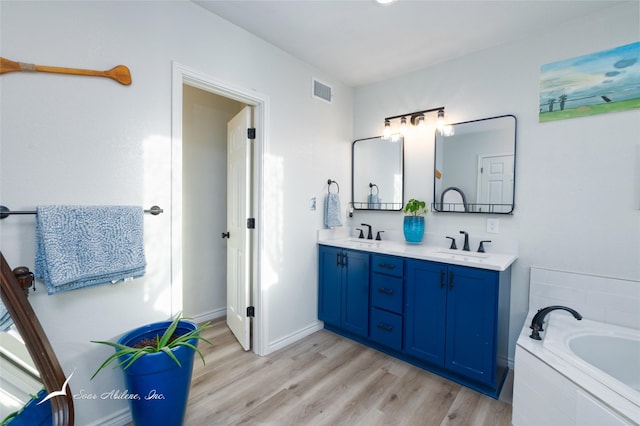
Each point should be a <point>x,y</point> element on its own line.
<point>598,83</point>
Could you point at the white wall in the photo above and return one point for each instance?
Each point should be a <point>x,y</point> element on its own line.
<point>576,206</point>
<point>82,140</point>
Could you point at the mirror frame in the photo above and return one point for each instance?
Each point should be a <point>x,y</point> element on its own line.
<point>37,343</point>
<point>355,203</point>
<point>436,201</point>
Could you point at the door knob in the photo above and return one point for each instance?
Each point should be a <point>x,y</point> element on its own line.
<point>225,234</point>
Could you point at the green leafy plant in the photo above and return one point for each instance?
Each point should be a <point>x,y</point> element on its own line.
<point>415,207</point>
<point>163,343</point>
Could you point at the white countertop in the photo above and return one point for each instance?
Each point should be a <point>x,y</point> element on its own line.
<point>491,261</point>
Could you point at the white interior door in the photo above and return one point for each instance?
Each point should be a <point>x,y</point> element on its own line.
<point>239,167</point>
<point>495,182</point>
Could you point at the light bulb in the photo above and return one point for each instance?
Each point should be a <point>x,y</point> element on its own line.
<point>403,125</point>
<point>420,123</point>
<point>440,122</point>
<point>387,129</point>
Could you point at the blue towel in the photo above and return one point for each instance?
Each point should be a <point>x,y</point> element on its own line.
<point>332,210</point>
<point>85,246</point>
<point>5,319</point>
<point>373,202</point>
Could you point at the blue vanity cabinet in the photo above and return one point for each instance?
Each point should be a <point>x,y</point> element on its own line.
<point>452,319</point>
<point>343,291</point>
<point>449,319</point>
<point>425,311</point>
<point>387,290</point>
<point>472,319</point>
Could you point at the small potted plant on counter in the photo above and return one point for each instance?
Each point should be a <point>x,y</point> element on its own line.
<point>157,361</point>
<point>414,220</point>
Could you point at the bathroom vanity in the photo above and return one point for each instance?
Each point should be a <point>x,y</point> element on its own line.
<point>446,311</point>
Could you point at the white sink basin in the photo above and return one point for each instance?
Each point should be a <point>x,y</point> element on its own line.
<point>463,255</point>
<point>362,241</point>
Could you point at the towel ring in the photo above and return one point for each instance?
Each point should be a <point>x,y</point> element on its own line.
<point>371,185</point>
<point>329,182</point>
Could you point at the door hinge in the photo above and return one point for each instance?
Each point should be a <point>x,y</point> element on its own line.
<point>251,223</point>
<point>251,133</point>
<point>251,311</point>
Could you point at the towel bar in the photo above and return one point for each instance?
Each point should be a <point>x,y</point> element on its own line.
<point>4,211</point>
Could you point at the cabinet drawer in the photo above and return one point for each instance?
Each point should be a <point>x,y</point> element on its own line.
<point>386,328</point>
<point>389,265</point>
<point>386,293</point>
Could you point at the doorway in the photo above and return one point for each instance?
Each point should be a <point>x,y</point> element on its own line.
<point>199,205</point>
<point>204,201</point>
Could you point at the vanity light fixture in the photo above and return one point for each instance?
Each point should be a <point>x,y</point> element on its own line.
<point>416,119</point>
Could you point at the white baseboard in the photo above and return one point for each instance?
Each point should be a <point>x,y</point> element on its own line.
<point>209,316</point>
<point>294,337</point>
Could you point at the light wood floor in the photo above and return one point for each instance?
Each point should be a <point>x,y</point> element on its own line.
<point>326,379</point>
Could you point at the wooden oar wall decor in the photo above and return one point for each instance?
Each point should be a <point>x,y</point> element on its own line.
<point>120,73</point>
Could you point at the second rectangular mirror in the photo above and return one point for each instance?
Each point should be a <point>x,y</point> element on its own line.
<point>475,166</point>
<point>378,173</point>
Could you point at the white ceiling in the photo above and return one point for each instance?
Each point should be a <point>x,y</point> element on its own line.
<point>360,42</point>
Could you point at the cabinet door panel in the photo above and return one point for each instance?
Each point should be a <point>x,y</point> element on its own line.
<point>329,285</point>
<point>355,304</point>
<point>471,323</point>
<point>425,302</point>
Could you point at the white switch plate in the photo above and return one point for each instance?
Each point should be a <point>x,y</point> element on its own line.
<point>493,226</point>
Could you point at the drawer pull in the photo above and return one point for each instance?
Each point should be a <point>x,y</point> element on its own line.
<point>385,327</point>
<point>386,266</point>
<point>388,291</point>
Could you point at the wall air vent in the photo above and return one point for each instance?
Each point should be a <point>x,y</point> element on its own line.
<point>321,91</point>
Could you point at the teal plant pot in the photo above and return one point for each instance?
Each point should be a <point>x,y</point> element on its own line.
<point>413,229</point>
<point>157,387</point>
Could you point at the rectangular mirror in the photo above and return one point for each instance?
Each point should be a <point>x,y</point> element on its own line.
<point>377,179</point>
<point>475,166</point>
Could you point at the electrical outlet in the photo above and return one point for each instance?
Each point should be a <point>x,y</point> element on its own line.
<point>493,226</point>
<point>312,203</point>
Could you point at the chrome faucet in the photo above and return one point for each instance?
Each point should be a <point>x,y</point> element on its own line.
<point>465,247</point>
<point>369,234</point>
<point>538,319</point>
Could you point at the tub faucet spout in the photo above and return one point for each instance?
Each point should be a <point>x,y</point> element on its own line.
<point>538,319</point>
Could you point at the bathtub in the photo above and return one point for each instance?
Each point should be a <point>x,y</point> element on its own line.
<point>610,354</point>
<point>582,372</point>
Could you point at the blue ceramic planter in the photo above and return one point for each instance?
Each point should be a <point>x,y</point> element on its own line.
<point>158,387</point>
<point>413,229</point>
